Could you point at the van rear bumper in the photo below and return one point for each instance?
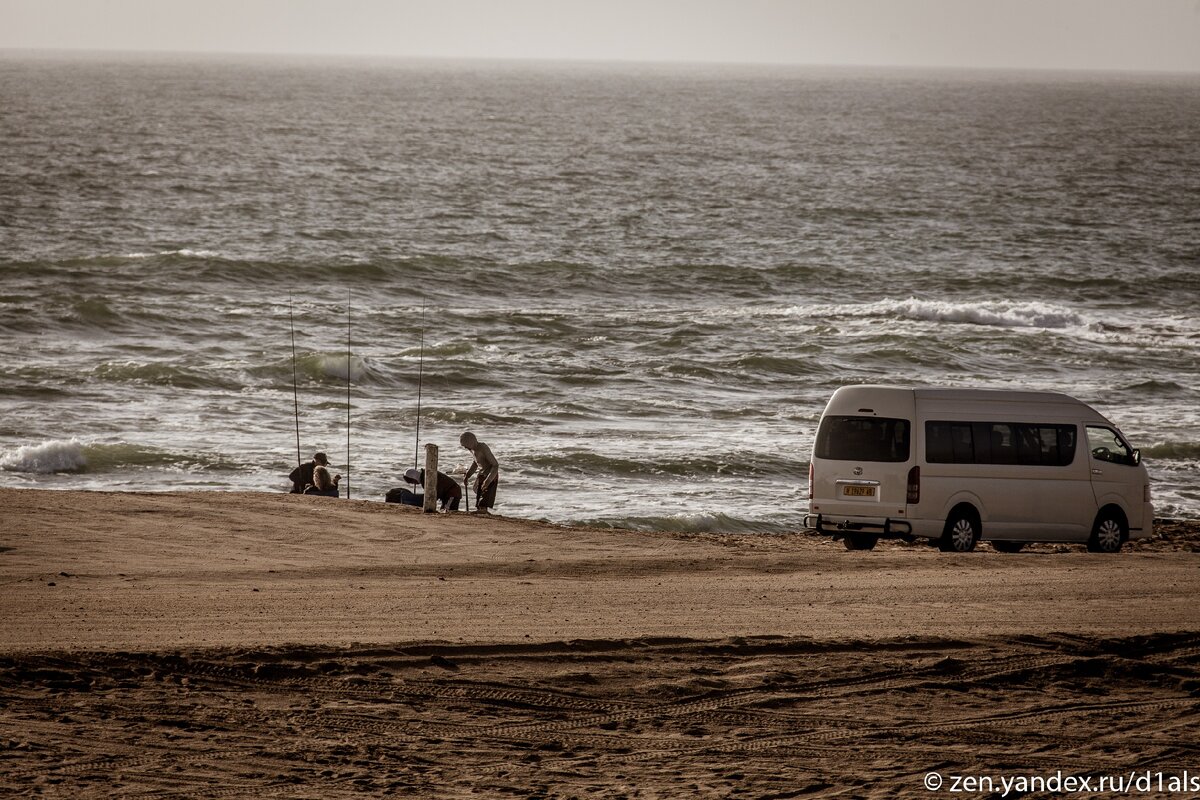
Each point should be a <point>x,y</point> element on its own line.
<point>886,528</point>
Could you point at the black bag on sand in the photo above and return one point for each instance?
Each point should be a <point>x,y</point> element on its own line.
<point>403,496</point>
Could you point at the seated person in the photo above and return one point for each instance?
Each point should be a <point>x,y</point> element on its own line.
<point>302,476</point>
<point>322,484</point>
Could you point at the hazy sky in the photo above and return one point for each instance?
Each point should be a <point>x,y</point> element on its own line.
<point>1072,34</point>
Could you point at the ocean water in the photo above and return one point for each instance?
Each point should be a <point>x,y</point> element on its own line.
<point>638,284</point>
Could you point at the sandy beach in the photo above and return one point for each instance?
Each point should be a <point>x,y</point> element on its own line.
<point>213,644</point>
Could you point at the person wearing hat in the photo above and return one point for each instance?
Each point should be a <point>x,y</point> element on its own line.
<point>302,476</point>
<point>448,492</point>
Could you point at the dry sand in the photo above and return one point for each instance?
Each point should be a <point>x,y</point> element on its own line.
<point>254,644</point>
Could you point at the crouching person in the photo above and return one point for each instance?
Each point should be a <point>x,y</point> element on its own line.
<point>449,494</point>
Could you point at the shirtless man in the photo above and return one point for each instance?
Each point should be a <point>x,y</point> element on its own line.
<point>489,472</point>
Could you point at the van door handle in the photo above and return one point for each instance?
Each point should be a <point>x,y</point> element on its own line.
<point>1097,472</point>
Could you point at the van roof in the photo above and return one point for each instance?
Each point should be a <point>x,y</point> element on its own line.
<point>901,400</point>
<point>1005,395</point>
<point>977,395</point>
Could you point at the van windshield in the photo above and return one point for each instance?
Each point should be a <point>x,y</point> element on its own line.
<point>863,439</point>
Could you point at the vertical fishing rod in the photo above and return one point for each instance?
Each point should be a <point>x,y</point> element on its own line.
<point>348,394</point>
<point>420,380</point>
<point>295,389</point>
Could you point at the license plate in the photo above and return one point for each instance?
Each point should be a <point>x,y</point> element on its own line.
<point>858,491</point>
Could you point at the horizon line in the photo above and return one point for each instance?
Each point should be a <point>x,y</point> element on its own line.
<point>285,54</point>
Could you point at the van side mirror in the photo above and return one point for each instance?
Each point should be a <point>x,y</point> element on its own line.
<point>1137,457</point>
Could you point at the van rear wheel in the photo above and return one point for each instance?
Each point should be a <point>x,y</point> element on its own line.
<point>1108,534</point>
<point>961,533</point>
<point>860,541</point>
<point>1008,547</point>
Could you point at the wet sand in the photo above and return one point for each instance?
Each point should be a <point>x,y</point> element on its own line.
<point>252,644</point>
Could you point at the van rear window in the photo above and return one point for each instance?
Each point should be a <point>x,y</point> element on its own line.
<point>863,439</point>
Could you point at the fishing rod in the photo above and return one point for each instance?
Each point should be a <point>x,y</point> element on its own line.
<point>420,381</point>
<point>295,387</point>
<point>348,394</point>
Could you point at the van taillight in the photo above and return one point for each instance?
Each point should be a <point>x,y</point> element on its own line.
<point>1145,491</point>
<point>810,480</point>
<point>914,486</point>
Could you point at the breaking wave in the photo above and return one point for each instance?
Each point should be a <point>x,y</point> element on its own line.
<point>996,313</point>
<point>1155,387</point>
<point>327,368</point>
<point>71,455</point>
<point>163,374</point>
<point>460,416</point>
<point>45,458</point>
<point>1173,450</point>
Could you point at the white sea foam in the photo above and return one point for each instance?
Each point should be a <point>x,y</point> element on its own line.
<point>185,252</point>
<point>1002,313</point>
<point>56,455</point>
<point>998,313</point>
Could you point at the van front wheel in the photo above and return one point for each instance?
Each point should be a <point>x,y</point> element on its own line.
<point>1108,534</point>
<point>961,533</point>
<point>860,541</point>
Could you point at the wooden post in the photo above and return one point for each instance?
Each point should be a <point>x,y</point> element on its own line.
<point>431,459</point>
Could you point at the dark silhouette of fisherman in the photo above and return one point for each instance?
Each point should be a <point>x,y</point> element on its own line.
<point>302,476</point>
<point>448,492</point>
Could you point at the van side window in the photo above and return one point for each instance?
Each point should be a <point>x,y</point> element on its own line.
<point>1066,444</point>
<point>949,443</point>
<point>999,443</point>
<point>1003,444</point>
<point>863,439</point>
<point>1046,445</point>
<point>1107,445</point>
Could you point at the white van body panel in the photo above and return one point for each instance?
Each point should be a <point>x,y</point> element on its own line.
<point>1111,486</point>
<point>1015,502</point>
<point>931,525</point>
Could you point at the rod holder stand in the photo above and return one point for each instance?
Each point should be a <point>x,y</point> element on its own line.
<point>431,465</point>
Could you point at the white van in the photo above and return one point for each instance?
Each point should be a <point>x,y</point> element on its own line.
<point>960,465</point>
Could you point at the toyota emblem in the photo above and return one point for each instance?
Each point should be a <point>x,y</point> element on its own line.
<point>858,470</point>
